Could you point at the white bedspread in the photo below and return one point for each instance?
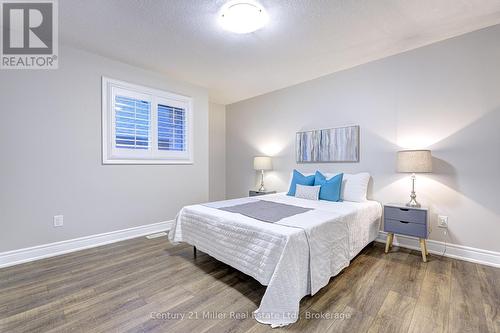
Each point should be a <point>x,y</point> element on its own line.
<point>293,257</point>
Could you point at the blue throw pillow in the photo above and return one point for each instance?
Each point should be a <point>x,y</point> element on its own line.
<point>299,178</point>
<point>331,188</point>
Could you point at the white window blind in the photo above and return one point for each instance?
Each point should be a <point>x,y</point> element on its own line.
<point>143,125</point>
<point>132,123</point>
<point>171,128</point>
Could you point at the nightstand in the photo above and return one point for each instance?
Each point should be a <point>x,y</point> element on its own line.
<point>252,193</point>
<point>409,221</point>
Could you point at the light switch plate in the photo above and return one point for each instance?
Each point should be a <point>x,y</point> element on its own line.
<point>58,220</point>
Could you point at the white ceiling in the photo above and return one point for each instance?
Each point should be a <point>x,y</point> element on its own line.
<point>304,39</point>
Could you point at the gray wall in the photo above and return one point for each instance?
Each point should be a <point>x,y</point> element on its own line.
<point>217,151</point>
<point>50,137</point>
<point>445,97</point>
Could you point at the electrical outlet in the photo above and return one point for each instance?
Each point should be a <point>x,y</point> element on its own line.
<point>442,221</point>
<point>58,220</point>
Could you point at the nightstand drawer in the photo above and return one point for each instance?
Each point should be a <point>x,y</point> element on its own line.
<point>405,214</point>
<point>405,228</point>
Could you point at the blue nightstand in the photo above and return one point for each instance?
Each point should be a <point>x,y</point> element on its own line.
<point>409,221</point>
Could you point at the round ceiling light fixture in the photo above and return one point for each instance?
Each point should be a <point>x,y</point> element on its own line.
<point>243,17</point>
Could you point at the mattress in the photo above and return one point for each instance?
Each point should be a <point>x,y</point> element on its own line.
<point>293,257</point>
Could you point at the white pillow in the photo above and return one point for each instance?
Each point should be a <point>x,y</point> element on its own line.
<point>355,187</point>
<point>307,192</point>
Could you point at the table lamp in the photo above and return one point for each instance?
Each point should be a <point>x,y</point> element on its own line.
<point>262,163</point>
<point>414,161</point>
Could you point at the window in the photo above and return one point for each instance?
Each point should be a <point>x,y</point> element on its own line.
<point>145,126</point>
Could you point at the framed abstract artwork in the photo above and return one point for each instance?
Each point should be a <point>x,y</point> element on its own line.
<point>328,145</point>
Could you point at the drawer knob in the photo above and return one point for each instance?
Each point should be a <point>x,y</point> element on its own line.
<point>404,209</point>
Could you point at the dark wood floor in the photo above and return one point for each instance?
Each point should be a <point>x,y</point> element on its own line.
<point>120,287</point>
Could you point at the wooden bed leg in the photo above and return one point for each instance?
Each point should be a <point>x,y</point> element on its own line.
<point>194,252</point>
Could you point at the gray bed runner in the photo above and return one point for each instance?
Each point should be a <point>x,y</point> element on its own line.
<point>267,211</point>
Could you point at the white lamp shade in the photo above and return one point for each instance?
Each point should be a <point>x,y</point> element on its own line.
<point>416,161</point>
<point>262,163</point>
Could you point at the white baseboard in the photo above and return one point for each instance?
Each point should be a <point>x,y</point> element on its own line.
<point>455,251</point>
<point>20,256</point>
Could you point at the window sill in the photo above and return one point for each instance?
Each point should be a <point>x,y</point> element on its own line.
<point>146,162</point>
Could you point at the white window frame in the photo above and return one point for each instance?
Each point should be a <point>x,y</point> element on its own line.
<point>113,155</point>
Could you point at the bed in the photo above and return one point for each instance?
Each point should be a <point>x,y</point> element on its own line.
<point>293,257</point>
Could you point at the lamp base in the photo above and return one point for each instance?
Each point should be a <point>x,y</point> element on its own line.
<point>262,188</point>
<point>414,204</point>
<point>413,196</point>
<point>413,201</point>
